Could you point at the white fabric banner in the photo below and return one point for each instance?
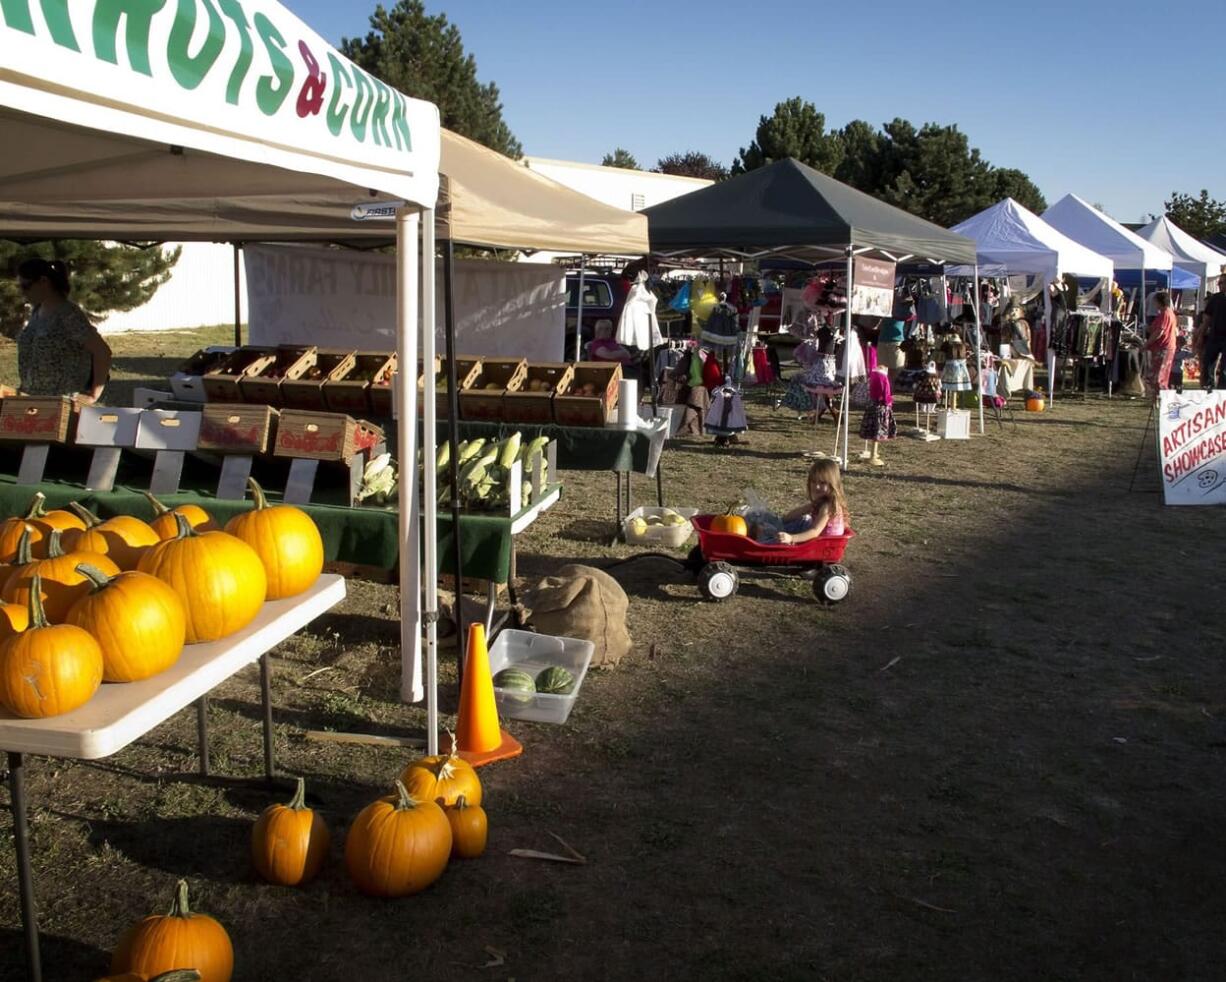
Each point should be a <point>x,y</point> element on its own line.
<point>346,299</point>
<point>1192,447</point>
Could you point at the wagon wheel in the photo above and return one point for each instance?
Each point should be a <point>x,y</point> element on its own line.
<point>718,581</point>
<point>832,585</point>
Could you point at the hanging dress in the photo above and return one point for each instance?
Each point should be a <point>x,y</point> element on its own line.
<point>638,327</point>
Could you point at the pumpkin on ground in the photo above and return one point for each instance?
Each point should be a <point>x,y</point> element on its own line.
<point>48,669</point>
<point>289,843</point>
<point>14,619</point>
<point>62,585</point>
<point>164,524</point>
<point>398,845</point>
<point>139,622</point>
<point>164,943</point>
<point>469,829</point>
<point>123,537</point>
<point>442,779</point>
<point>731,524</point>
<point>287,541</point>
<point>219,578</point>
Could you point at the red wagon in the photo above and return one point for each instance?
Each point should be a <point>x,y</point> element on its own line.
<point>719,555</point>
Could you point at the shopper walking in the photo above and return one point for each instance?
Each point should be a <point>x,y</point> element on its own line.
<point>1161,344</point>
<point>1210,341</point>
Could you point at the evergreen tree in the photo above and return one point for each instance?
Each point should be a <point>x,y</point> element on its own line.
<point>692,163</point>
<point>1012,183</point>
<point>620,158</point>
<point>796,129</point>
<point>424,57</point>
<point>1200,216</point>
<point>105,277</point>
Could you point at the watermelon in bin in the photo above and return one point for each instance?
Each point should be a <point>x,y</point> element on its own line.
<point>515,654</point>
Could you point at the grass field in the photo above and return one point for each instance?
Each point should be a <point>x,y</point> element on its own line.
<point>1001,758</point>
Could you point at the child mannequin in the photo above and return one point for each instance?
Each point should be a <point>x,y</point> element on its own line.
<point>878,424</point>
<point>927,395</point>
<point>825,513</point>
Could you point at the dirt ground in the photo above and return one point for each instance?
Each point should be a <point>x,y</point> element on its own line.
<point>1001,758</point>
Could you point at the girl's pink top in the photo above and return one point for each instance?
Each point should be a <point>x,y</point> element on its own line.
<point>836,525</point>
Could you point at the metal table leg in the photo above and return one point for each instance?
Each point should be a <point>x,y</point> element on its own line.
<point>660,483</point>
<point>25,878</point>
<point>266,699</point>
<point>491,602</point>
<point>202,731</point>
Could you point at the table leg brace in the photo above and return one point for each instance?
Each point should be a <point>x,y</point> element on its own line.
<point>25,878</point>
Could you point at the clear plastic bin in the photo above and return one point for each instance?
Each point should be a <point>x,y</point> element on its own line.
<point>672,536</point>
<point>534,653</point>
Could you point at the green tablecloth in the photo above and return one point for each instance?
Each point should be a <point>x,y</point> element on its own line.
<point>580,448</point>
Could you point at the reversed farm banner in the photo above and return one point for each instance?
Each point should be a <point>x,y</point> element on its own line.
<point>1192,447</point>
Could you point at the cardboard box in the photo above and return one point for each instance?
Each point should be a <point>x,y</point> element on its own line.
<point>533,402</point>
<point>221,381</point>
<point>104,426</point>
<point>954,424</point>
<point>168,429</point>
<point>37,419</point>
<point>482,400</point>
<point>572,407</point>
<point>187,383</point>
<point>349,392</point>
<point>323,436</point>
<point>468,368</point>
<point>307,391</point>
<point>381,390</point>
<point>237,428</point>
<point>290,362</point>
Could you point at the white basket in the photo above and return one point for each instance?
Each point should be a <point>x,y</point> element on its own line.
<point>534,653</point>
<point>671,536</point>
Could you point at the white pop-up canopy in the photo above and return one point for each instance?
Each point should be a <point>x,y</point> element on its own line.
<point>1014,240</point>
<point>1084,223</point>
<point>1189,253</point>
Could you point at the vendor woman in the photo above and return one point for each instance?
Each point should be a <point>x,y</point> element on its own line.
<point>59,353</point>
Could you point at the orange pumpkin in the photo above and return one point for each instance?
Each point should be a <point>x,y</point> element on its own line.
<point>14,619</point>
<point>21,560</point>
<point>219,578</point>
<point>287,541</point>
<point>397,846</point>
<point>164,523</point>
<point>165,943</point>
<point>732,524</point>
<point>45,522</point>
<point>289,843</point>
<point>123,537</point>
<point>469,829</point>
<point>63,586</point>
<point>10,534</point>
<point>442,779</point>
<point>138,621</point>
<point>48,669</point>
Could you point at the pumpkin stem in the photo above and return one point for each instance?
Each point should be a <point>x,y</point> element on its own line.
<point>406,801</point>
<point>24,556</point>
<point>38,616</point>
<point>179,907</point>
<point>298,802</point>
<point>36,509</point>
<point>88,517</point>
<point>95,576</point>
<point>55,549</point>
<point>257,494</point>
<point>183,528</point>
<point>460,803</point>
<point>158,507</point>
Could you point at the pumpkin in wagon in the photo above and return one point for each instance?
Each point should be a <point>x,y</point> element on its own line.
<point>287,541</point>
<point>730,524</point>
<point>165,943</point>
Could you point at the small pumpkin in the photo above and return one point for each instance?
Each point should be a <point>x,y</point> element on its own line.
<point>286,539</point>
<point>123,537</point>
<point>138,621</point>
<point>165,943</point>
<point>63,586</point>
<point>289,843</point>
<point>219,578</point>
<point>11,529</point>
<point>165,525</point>
<point>14,619</point>
<point>48,669</point>
<point>397,845</point>
<point>469,829</point>
<point>442,779</point>
<point>178,975</point>
<point>731,524</point>
<point>23,558</point>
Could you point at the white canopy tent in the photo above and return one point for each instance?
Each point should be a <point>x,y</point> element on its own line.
<point>1189,253</point>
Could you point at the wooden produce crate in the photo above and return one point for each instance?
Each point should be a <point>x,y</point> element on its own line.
<point>323,436</point>
<point>37,419</point>
<point>349,392</point>
<point>264,387</point>
<point>307,391</point>
<point>381,389</point>
<point>221,381</point>
<point>590,398</point>
<point>482,400</point>
<point>237,428</point>
<point>468,367</point>
<point>187,384</point>
<point>533,402</point>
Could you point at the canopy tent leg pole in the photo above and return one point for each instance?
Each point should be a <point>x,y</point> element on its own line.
<point>453,438</point>
<point>579,311</point>
<point>238,301</point>
<point>429,441</point>
<point>405,381</point>
<point>1051,350</point>
<point>978,350</point>
<point>848,340</point>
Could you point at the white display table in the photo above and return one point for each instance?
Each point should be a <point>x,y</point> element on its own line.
<point>121,713</point>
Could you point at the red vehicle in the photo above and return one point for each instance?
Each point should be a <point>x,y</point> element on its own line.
<point>719,555</point>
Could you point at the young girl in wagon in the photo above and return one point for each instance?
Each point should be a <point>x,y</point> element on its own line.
<point>824,514</point>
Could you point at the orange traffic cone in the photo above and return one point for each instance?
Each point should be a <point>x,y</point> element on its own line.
<point>477,734</point>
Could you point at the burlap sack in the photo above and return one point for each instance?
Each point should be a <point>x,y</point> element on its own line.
<point>581,602</point>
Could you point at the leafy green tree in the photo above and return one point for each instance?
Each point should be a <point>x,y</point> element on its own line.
<point>1200,216</point>
<point>861,156</point>
<point>1012,183</point>
<point>795,129</point>
<point>620,158</point>
<point>424,57</point>
<point>105,277</point>
<point>692,163</point>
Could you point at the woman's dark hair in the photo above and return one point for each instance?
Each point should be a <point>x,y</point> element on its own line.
<point>1162,299</point>
<point>54,269</point>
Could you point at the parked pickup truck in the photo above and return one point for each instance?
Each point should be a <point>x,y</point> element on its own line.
<point>604,295</point>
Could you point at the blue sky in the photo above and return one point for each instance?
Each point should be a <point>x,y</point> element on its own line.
<point>1120,102</point>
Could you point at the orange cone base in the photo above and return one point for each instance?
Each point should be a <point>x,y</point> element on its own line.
<point>510,747</point>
